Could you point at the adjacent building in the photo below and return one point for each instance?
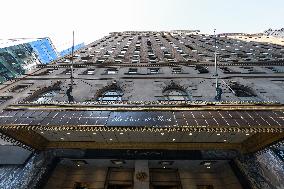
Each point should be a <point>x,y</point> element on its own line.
<point>150,110</point>
<point>275,33</point>
<point>69,50</point>
<point>20,56</point>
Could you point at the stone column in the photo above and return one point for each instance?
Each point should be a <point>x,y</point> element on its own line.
<point>141,175</point>
<point>264,170</point>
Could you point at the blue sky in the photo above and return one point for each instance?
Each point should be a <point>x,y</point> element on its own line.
<point>92,19</point>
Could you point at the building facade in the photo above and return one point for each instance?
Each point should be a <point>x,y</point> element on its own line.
<point>151,110</point>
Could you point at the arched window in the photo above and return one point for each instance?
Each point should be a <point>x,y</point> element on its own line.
<point>111,95</point>
<point>175,95</point>
<point>175,92</point>
<point>46,96</point>
<point>242,91</point>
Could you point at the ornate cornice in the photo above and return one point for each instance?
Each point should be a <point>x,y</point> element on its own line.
<point>14,141</point>
<point>27,137</point>
<point>255,143</point>
<point>224,128</point>
<point>145,106</point>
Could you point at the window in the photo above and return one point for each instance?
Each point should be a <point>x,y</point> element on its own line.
<point>100,61</point>
<point>241,90</point>
<point>275,69</point>
<point>201,69</point>
<point>176,70</point>
<point>86,58</point>
<point>46,96</point>
<point>111,71</point>
<point>175,95</point>
<point>175,92</point>
<point>227,70</point>
<point>89,72</point>
<point>153,70</point>
<point>4,99</point>
<point>118,61</point>
<point>111,95</point>
<point>132,71</point>
<point>46,72</point>
<point>19,88</point>
<point>135,61</point>
<point>67,72</point>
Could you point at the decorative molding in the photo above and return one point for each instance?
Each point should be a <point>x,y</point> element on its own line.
<point>14,141</point>
<point>141,176</point>
<point>173,85</point>
<point>144,145</point>
<point>55,86</point>
<point>27,137</point>
<point>143,106</point>
<point>112,86</point>
<point>36,141</point>
<point>92,128</point>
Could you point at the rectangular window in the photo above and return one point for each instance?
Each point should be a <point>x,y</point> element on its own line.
<point>89,72</point>
<point>4,99</point>
<point>153,70</point>
<point>118,61</point>
<point>111,71</point>
<point>20,88</point>
<point>67,72</point>
<point>176,70</point>
<point>100,61</point>
<point>132,71</point>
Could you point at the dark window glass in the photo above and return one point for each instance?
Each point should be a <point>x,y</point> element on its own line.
<point>175,95</point>
<point>111,95</point>
<point>46,96</point>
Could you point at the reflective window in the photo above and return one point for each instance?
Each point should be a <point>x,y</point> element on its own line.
<point>4,99</point>
<point>176,70</point>
<point>132,71</point>
<point>46,96</point>
<point>153,70</point>
<point>111,95</point>
<point>111,71</point>
<point>176,95</point>
<point>89,72</point>
<point>241,90</point>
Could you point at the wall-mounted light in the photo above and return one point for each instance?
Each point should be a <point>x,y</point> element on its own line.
<point>118,162</point>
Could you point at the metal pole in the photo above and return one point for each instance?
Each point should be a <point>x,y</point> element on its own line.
<point>218,89</point>
<point>215,57</point>
<point>215,53</point>
<point>72,56</point>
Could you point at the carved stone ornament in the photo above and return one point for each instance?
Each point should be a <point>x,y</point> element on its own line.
<point>141,176</point>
